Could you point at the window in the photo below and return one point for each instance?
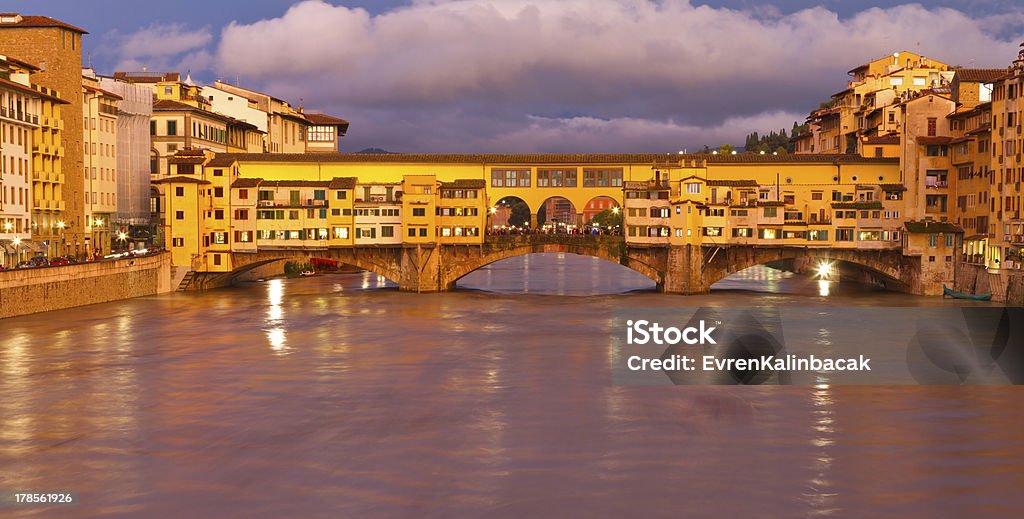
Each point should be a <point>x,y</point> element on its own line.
<point>556,177</point>
<point>218,214</point>
<point>152,127</point>
<point>177,242</point>
<point>387,231</point>
<point>816,195</point>
<point>844,234</point>
<point>933,240</point>
<point>596,177</point>
<point>216,259</point>
<point>241,214</point>
<point>412,232</point>
<point>423,232</point>
<point>179,191</point>
<point>510,177</point>
<point>320,134</point>
<point>340,195</point>
<point>693,188</point>
<point>218,192</point>
<point>218,172</point>
<point>179,215</point>
<point>340,233</point>
<point>895,81</point>
<point>219,238</point>
<point>949,240</point>
<point>172,127</point>
<point>932,125</point>
<point>419,211</point>
<point>771,212</point>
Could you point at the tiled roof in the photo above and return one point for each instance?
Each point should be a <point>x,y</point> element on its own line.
<point>550,159</point>
<point>933,140</point>
<point>933,227</point>
<point>170,104</point>
<point>979,75</point>
<point>343,183</point>
<point>148,77</point>
<point>857,205</point>
<point>181,179</point>
<point>295,183</point>
<point>732,183</point>
<point>246,182</point>
<point>465,183</point>
<point>102,92</point>
<point>23,64</point>
<point>220,161</point>
<point>883,139</point>
<point>40,21</point>
<point>324,119</point>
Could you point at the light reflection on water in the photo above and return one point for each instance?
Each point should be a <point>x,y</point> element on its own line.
<point>479,402</point>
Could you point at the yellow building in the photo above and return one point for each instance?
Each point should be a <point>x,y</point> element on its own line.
<point>100,157</point>
<point>865,108</point>
<point>1008,166</point>
<point>253,202</point>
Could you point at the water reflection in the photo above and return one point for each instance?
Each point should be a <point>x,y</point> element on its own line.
<point>490,402</point>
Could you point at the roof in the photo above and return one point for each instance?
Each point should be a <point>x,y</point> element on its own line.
<point>979,75</point>
<point>732,183</point>
<point>220,161</point>
<point>343,183</point>
<point>16,61</point>
<point>28,90</point>
<point>295,183</point>
<point>181,179</point>
<point>465,183</point>
<point>39,21</point>
<point>932,227</point>
<point>147,77</point>
<point>933,140</point>
<point>883,139</point>
<point>893,187</point>
<point>246,182</point>
<point>324,119</point>
<point>102,92</point>
<point>771,203</point>
<point>874,204</point>
<point>550,159</point>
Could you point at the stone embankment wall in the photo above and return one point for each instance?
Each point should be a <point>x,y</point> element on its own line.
<point>27,291</point>
<point>1006,286</point>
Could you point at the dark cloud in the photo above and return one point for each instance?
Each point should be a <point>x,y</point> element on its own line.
<point>574,75</point>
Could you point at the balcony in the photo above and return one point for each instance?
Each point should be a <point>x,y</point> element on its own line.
<point>936,184</point>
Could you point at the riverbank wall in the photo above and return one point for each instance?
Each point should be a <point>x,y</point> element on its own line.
<point>28,291</point>
<point>1006,286</point>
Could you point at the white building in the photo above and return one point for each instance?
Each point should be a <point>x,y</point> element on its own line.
<point>378,214</point>
<point>134,111</point>
<point>19,117</point>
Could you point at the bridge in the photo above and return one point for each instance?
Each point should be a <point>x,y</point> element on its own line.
<point>686,269</point>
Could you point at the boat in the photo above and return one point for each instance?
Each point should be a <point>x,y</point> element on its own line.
<point>307,273</point>
<point>946,291</point>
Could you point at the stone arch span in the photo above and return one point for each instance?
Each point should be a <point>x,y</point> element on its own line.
<point>383,261</point>
<point>609,248</point>
<point>896,270</point>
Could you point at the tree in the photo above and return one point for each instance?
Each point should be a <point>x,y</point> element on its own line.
<point>725,149</point>
<point>608,218</point>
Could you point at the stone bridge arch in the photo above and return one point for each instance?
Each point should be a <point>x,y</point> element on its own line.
<point>898,271</point>
<point>384,261</point>
<point>457,264</point>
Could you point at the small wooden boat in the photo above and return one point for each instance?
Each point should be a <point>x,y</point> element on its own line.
<point>946,291</point>
<point>307,273</point>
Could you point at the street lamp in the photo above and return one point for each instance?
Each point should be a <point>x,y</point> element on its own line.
<point>17,251</point>
<point>60,225</point>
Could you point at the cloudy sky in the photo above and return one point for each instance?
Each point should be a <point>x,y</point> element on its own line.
<point>539,75</point>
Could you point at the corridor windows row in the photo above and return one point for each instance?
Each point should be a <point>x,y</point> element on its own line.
<point>459,231</point>
<point>556,177</point>
<point>457,211</point>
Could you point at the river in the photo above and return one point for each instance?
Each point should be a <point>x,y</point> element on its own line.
<point>338,396</point>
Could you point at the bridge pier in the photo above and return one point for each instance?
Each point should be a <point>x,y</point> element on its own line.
<point>684,272</point>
